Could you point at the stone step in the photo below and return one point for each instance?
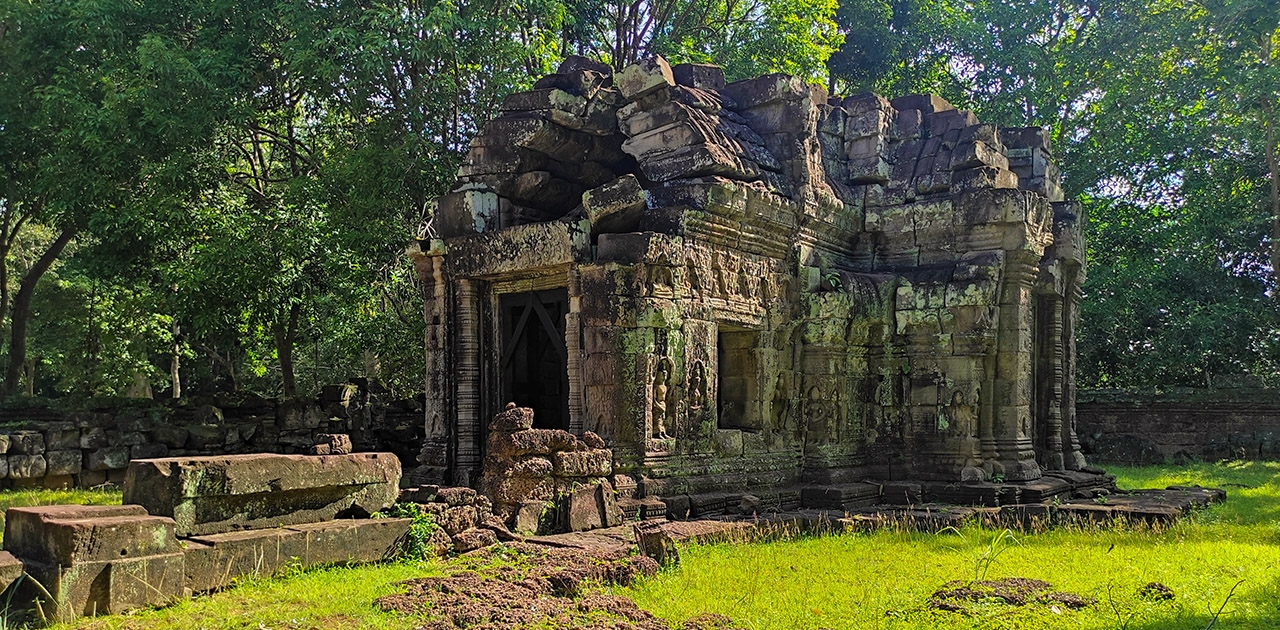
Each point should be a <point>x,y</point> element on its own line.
<point>840,497</point>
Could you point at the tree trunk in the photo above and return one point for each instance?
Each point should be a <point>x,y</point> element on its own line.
<point>285,332</point>
<point>21,311</point>
<point>176,361</point>
<point>1273,169</point>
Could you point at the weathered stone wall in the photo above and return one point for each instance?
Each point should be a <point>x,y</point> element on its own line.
<point>1140,428</point>
<point>755,284</point>
<point>44,446</point>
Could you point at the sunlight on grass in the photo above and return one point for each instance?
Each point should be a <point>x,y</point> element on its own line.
<point>336,597</point>
<point>877,580</point>
<point>884,579</point>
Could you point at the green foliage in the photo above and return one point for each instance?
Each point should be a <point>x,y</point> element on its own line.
<point>419,545</point>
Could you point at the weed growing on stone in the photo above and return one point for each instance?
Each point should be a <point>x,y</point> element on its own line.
<point>419,545</point>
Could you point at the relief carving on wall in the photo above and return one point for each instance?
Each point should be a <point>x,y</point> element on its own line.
<point>697,387</point>
<point>661,391</point>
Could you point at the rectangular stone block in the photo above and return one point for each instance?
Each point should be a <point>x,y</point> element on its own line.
<point>593,463</point>
<point>63,462</point>
<point>212,495</point>
<point>110,587</point>
<point>27,466</point>
<point>73,534</point>
<point>352,540</point>
<point>213,561</point>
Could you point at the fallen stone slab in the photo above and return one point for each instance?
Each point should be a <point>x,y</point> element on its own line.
<point>96,559</point>
<point>213,495</point>
<point>213,561</point>
<point>74,534</point>
<point>353,540</point>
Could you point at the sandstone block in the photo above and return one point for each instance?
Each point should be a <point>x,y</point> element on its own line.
<point>644,77</point>
<point>4,443</point>
<point>95,437</point>
<point>26,443</point>
<point>150,450</point>
<point>593,463</point>
<point>616,206</point>
<point>927,103</point>
<point>573,63</point>
<point>205,437</point>
<point>528,517</point>
<point>72,534</point>
<point>591,507</point>
<point>26,466</point>
<point>699,75</point>
<point>213,561</point>
<point>10,570</point>
<point>63,462</point>
<point>210,495</point>
<point>109,458</point>
<point>169,435</point>
<point>111,586</point>
<point>353,540</point>
<point>62,438</point>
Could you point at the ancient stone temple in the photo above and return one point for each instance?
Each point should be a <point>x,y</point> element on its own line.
<point>754,285</point>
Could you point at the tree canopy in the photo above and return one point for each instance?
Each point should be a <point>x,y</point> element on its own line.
<point>202,195</point>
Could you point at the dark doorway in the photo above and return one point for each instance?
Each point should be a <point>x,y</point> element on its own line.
<point>535,363</point>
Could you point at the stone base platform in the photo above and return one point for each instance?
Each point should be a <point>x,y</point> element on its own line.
<point>1053,487</point>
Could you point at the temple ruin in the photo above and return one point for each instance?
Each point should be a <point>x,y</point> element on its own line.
<point>755,286</point>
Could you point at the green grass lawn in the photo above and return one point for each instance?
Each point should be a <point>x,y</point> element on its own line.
<point>878,580</point>
<point>884,579</point>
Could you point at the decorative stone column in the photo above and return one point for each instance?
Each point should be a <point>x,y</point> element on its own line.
<point>1011,426</point>
<point>573,345</point>
<point>434,456</point>
<point>1073,459</point>
<point>467,367</point>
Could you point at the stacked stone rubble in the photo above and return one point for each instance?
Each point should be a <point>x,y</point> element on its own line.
<point>547,479</point>
<point>775,286</point>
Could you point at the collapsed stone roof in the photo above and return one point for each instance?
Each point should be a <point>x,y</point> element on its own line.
<point>584,127</point>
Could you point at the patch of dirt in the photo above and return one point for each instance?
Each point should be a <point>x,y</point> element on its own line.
<point>959,596</point>
<point>507,587</point>
<point>1155,592</point>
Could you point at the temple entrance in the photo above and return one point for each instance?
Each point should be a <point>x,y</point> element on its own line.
<point>535,361</point>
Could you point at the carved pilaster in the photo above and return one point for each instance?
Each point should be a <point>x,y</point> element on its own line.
<point>573,344</point>
<point>467,372</point>
<point>1073,459</point>
<point>1049,398</point>
<point>1011,424</point>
